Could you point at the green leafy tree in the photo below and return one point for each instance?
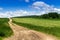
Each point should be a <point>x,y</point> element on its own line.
<point>45,16</point>
<point>53,15</point>
<point>50,15</point>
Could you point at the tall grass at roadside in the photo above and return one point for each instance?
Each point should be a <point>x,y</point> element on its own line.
<point>5,30</point>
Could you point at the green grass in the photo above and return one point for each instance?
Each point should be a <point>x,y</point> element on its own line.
<point>49,26</point>
<point>5,30</point>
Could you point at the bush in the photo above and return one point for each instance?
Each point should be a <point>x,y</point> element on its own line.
<point>2,34</point>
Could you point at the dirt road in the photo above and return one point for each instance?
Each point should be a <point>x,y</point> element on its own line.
<point>21,33</point>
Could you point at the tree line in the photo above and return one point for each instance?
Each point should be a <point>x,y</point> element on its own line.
<point>51,15</point>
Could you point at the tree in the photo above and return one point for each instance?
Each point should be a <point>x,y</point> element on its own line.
<point>53,15</point>
<point>45,16</point>
<point>50,15</point>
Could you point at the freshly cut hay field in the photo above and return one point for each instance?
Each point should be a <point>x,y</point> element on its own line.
<point>49,26</point>
<point>5,30</point>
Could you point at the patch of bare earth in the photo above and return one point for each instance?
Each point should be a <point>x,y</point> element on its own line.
<point>21,33</point>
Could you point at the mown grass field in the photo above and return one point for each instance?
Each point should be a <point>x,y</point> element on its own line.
<point>49,26</point>
<point>5,30</point>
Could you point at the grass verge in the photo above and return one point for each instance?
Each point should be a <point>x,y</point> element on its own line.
<point>5,30</point>
<point>42,25</point>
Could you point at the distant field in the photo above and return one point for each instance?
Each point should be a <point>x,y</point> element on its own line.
<point>49,26</point>
<point>5,30</point>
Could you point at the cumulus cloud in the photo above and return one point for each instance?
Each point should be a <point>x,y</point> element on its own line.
<point>56,9</point>
<point>40,6</point>
<point>43,7</point>
<point>16,13</point>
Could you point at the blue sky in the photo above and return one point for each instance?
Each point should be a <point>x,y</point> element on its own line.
<point>28,7</point>
<point>22,4</point>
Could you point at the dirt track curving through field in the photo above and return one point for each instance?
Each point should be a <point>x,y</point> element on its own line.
<point>21,33</point>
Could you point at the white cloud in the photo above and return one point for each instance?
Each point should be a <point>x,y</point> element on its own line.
<point>56,9</point>
<point>1,8</point>
<point>27,0</point>
<point>44,8</point>
<point>8,14</point>
<point>41,8</point>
